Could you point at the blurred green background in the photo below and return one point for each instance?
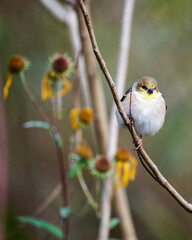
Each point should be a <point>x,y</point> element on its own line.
<point>161,46</point>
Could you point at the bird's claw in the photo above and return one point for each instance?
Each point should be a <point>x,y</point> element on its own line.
<point>131,120</point>
<point>138,143</point>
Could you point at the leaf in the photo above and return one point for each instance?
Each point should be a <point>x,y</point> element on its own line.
<point>37,124</point>
<point>73,170</point>
<point>40,124</point>
<point>113,222</point>
<point>64,212</point>
<point>50,228</point>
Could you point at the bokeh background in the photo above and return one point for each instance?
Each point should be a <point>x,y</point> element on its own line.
<point>161,46</point>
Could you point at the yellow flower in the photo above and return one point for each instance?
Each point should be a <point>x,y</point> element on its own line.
<point>80,118</point>
<point>83,151</point>
<point>16,64</point>
<point>125,167</point>
<point>49,84</point>
<point>54,82</point>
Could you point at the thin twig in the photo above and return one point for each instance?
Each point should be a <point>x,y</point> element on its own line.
<point>33,99</point>
<point>187,206</point>
<point>50,198</point>
<point>63,179</point>
<point>86,191</point>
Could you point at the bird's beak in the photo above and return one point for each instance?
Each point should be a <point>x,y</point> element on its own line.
<point>150,90</point>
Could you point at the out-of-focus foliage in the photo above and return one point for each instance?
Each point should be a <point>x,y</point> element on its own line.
<point>161,46</point>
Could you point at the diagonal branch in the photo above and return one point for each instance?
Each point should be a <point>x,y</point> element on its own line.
<point>160,178</point>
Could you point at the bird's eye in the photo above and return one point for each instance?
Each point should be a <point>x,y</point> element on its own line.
<point>144,87</point>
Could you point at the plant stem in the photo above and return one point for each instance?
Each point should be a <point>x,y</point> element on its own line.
<point>86,191</point>
<point>62,169</point>
<point>33,99</point>
<point>63,179</point>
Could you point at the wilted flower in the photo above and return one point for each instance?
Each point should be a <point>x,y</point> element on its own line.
<point>83,151</point>
<point>101,167</point>
<point>81,157</point>
<point>54,83</point>
<point>125,167</point>
<point>16,64</point>
<point>60,64</point>
<point>80,118</point>
<point>86,115</point>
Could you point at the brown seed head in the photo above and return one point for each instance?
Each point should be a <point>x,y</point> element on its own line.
<point>86,115</point>
<point>122,154</point>
<point>84,151</point>
<point>102,165</point>
<point>60,64</point>
<point>16,64</point>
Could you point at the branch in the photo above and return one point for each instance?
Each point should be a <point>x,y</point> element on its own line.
<point>160,178</point>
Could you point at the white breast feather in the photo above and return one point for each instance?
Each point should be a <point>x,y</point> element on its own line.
<point>148,115</point>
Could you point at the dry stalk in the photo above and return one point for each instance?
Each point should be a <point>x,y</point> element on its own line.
<point>95,86</point>
<point>159,177</point>
<point>3,170</point>
<point>121,198</point>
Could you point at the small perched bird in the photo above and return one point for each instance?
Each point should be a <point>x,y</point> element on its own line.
<point>147,109</point>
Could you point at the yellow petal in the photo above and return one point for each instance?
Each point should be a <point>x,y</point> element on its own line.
<point>126,172</point>
<point>74,118</point>
<point>67,86</point>
<point>132,173</point>
<point>45,89</point>
<point>119,167</point>
<point>7,85</point>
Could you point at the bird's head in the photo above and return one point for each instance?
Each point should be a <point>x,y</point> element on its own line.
<point>147,87</point>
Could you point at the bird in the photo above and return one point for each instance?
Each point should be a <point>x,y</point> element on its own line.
<point>147,109</point>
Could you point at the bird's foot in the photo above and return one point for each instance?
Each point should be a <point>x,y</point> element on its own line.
<point>138,143</point>
<point>131,119</point>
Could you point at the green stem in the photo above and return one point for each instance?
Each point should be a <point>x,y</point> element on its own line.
<point>62,169</point>
<point>32,98</point>
<point>59,100</point>
<point>86,191</point>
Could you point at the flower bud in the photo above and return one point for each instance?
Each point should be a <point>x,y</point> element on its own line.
<point>84,151</point>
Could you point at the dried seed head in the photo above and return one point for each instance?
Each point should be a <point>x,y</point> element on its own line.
<point>16,64</point>
<point>60,64</point>
<point>84,151</point>
<point>102,165</point>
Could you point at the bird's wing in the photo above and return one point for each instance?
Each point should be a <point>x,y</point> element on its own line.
<point>125,95</point>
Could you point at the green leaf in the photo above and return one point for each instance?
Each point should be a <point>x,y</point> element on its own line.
<point>37,124</point>
<point>73,170</point>
<point>50,228</point>
<point>64,212</point>
<point>40,124</point>
<point>114,222</point>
